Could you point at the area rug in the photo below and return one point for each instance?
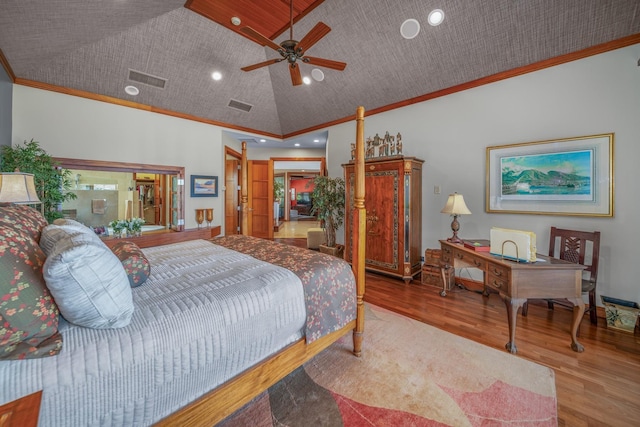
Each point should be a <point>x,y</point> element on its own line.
<point>410,374</point>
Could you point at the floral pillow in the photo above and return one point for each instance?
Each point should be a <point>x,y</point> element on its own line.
<point>23,218</point>
<point>135,264</point>
<point>28,314</point>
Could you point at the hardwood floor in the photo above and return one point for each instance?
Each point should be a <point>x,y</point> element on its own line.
<point>600,387</point>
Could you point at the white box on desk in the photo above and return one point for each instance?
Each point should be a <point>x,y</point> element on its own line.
<point>515,245</point>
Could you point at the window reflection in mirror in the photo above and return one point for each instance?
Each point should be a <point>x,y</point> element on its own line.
<point>109,191</point>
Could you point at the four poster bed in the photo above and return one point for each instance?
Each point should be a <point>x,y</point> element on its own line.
<point>214,325</point>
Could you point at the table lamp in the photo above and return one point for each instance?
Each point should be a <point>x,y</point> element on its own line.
<point>18,188</point>
<point>455,206</point>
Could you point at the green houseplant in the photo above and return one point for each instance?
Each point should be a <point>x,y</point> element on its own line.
<point>278,190</point>
<point>328,203</point>
<point>52,182</point>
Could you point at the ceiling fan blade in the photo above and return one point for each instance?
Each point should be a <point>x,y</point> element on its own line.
<point>260,38</point>
<point>296,77</point>
<point>320,62</point>
<point>261,64</point>
<point>319,31</point>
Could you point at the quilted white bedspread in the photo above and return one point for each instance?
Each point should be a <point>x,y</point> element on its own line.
<point>205,314</point>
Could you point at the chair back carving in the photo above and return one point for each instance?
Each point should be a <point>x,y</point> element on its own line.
<point>573,247</point>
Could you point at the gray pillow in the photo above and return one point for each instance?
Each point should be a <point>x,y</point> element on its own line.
<point>60,231</point>
<point>87,281</point>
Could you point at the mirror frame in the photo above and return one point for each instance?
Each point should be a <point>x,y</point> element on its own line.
<point>105,166</point>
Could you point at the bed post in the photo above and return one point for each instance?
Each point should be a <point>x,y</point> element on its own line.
<point>359,231</point>
<point>244,198</point>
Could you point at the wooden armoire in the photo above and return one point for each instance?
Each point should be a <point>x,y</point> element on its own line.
<point>393,200</point>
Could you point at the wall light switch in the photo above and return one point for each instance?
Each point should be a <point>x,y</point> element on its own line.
<point>436,189</point>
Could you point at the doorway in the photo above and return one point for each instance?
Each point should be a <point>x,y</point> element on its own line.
<point>232,213</point>
<point>149,188</point>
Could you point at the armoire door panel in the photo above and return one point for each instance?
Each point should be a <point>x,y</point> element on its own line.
<point>382,222</point>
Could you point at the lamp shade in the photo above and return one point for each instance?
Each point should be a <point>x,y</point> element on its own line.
<point>18,187</point>
<point>455,205</point>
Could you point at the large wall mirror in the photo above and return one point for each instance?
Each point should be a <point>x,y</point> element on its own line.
<point>107,191</point>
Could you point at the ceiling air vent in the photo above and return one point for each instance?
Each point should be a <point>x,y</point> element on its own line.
<point>147,79</point>
<point>240,105</point>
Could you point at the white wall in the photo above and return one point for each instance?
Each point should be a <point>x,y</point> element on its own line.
<point>267,153</point>
<point>68,126</point>
<point>600,94</point>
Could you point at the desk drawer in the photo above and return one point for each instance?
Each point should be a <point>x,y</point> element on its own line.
<point>469,260</point>
<point>498,277</point>
<point>447,254</point>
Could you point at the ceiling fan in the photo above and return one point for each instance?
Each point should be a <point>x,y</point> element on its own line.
<point>293,51</point>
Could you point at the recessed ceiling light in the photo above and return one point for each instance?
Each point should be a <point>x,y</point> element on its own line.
<point>216,75</point>
<point>296,144</point>
<point>316,140</point>
<point>235,21</point>
<point>317,74</point>
<point>436,17</point>
<point>306,80</point>
<point>263,140</point>
<point>132,90</point>
<point>410,28</point>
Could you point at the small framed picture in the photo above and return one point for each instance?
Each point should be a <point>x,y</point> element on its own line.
<point>204,186</point>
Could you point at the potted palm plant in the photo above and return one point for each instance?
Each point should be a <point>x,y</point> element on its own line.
<point>328,198</point>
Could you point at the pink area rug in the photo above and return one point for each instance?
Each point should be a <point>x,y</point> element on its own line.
<point>410,374</point>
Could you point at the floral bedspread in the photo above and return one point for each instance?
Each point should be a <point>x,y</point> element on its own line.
<point>329,284</point>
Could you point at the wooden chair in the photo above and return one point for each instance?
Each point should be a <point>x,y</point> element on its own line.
<point>576,246</point>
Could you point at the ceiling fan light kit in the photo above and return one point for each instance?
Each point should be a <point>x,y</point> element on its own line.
<point>293,51</point>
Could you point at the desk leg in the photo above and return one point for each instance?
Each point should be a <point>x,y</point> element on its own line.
<point>513,304</point>
<point>445,283</point>
<point>578,312</point>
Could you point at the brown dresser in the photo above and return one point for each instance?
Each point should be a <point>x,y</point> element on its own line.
<point>393,199</point>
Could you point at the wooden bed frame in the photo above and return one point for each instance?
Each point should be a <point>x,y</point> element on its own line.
<point>235,393</point>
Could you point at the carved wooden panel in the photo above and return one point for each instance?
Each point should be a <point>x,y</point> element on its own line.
<point>393,201</point>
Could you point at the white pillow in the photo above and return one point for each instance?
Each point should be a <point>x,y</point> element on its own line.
<point>86,279</point>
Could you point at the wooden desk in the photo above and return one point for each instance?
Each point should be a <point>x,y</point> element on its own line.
<point>549,278</point>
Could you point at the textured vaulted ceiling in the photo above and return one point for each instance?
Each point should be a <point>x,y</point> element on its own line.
<point>89,46</point>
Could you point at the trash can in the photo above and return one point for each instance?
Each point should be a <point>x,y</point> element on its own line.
<point>621,314</point>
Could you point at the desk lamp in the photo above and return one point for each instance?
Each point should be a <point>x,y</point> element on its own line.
<point>455,206</point>
<point>18,188</point>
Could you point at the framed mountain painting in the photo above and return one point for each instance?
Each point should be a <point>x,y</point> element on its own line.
<point>570,176</point>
